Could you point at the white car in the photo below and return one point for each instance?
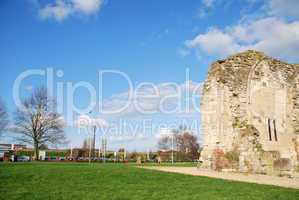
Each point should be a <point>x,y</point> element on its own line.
<point>23,159</point>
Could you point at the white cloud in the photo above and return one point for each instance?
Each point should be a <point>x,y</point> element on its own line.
<point>271,27</point>
<point>206,7</point>
<point>214,41</point>
<point>62,9</point>
<point>156,99</point>
<point>87,6</point>
<point>59,11</point>
<point>127,138</point>
<point>84,121</point>
<point>274,36</point>
<point>289,8</point>
<point>208,3</point>
<point>164,132</point>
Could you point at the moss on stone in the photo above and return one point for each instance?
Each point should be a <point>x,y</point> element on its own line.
<point>232,156</point>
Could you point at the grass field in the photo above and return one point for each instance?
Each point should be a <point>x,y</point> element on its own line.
<point>122,182</point>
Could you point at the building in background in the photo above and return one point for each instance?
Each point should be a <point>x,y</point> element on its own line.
<point>7,149</point>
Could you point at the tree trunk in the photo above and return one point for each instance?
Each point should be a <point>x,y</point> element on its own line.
<point>36,151</point>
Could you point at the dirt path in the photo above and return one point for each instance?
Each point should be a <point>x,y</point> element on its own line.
<point>252,178</point>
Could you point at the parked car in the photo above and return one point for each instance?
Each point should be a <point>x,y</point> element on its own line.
<point>23,158</point>
<point>53,158</point>
<point>61,158</point>
<point>80,159</point>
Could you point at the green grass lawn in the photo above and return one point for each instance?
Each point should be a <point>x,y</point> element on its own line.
<point>121,182</point>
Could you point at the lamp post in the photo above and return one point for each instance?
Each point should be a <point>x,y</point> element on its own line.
<point>71,153</point>
<point>166,132</point>
<point>172,148</point>
<point>125,154</point>
<point>104,147</point>
<point>89,154</point>
<point>91,125</point>
<point>92,147</point>
<point>94,141</point>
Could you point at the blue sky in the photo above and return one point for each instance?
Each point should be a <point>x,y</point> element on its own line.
<point>149,40</point>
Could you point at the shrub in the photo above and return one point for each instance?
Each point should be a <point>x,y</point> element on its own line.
<point>232,156</point>
<point>218,159</point>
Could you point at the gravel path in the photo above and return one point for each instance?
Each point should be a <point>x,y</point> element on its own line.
<point>252,178</point>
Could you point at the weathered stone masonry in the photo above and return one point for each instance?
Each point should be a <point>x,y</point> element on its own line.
<point>250,115</point>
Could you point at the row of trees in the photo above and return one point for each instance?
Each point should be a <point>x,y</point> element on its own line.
<point>183,142</point>
<point>37,123</point>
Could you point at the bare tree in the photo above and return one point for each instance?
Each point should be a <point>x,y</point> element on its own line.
<point>187,145</point>
<point>86,144</point>
<point>38,123</point>
<point>164,143</point>
<point>184,141</point>
<point>3,117</point>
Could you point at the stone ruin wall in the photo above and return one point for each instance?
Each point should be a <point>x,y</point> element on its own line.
<point>295,114</point>
<point>228,124</point>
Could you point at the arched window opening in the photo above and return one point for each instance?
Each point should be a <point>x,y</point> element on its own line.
<point>269,129</point>
<point>275,132</point>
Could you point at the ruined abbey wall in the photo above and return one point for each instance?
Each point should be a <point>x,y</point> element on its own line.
<point>250,115</point>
